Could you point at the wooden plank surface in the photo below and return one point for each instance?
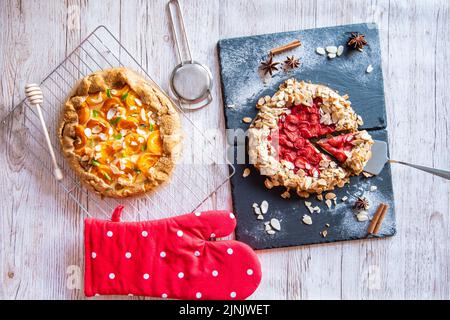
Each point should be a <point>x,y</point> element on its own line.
<point>41,227</point>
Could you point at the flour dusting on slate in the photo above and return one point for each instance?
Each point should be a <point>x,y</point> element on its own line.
<point>242,86</point>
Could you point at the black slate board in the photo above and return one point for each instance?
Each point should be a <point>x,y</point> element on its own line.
<point>241,88</point>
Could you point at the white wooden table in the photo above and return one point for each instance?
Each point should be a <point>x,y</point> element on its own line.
<point>41,236</point>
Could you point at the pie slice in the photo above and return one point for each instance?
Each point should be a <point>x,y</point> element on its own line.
<point>352,150</point>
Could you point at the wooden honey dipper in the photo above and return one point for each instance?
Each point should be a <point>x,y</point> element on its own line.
<point>35,97</point>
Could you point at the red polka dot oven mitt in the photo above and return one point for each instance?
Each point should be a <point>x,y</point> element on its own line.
<point>169,258</point>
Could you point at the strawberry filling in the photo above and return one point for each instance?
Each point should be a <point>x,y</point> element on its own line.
<point>336,146</point>
<point>294,131</point>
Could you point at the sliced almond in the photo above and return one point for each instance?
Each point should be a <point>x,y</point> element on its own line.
<point>362,216</point>
<point>331,49</point>
<point>331,55</point>
<point>111,113</point>
<point>275,223</point>
<point>340,50</point>
<point>324,233</point>
<point>88,132</point>
<point>328,203</point>
<point>264,207</point>
<point>257,210</point>
<point>320,50</point>
<point>260,217</point>
<point>369,68</point>
<point>246,173</point>
<point>307,219</point>
<point>247,120</point>
<point>319,197</point>
<point>373,188</point>
<point>344,198</point>
<point>271,232</point>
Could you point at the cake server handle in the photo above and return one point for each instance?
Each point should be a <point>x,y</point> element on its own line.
<point>437,172</point>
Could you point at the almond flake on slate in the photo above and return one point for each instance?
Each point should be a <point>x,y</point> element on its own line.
<point>308,204</point>
<point>327,225</point>
<point>316,209</point>
<point>307,219</point>
<point>340,50</point>
<point>344,198</point>
<point>367,174</point>
<point>275,223</point>
<point>267,227</point>
<point>324,233</point>
<point>331,55</point>
<point>362,216</point>
<point>257,210</point>
<point>254,205</point>
<point>331,49</point>
<point>260,217</point>
<point>330,195</point>
<point>246,172</point>
<point>264,207</point>
<point>369,68</point>
<point>373,188</point>
<point>270,232</point>
<point>319,197</point>
<point>311,209</point>
<point>328,203</point>
<point>246,119</point>
<point>320,50</point>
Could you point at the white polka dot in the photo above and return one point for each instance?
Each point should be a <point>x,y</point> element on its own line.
<point>179,233</point>
<point>215,273</point>
<point>232,215</point>
<point>198,214</point>
<point>230,251</point>
<point>109,234</point>
<point>197,253</point>
<point>233,294</point>
<point>112,276</point>
<point>249,272</point>
<point>146,276</point>
<point>128,255</point>
<point>164,296</point>
<point>181,275</point>
<point>162,254</point>
<point>144,234</point>
<point>93,255</point>
<point>213,235</point>
<point>198,295</point>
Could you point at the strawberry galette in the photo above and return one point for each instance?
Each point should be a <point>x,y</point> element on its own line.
<point>283,139</point>
<point>120,133</point>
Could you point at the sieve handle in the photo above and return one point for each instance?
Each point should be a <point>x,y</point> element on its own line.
<point>179,13</point>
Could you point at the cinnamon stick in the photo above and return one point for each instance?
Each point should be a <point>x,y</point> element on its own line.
<point>286,47</point>
<point>380,220</point>
<point>375,218</point>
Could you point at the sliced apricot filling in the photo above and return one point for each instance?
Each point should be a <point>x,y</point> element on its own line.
<point>146,161</point>
<point>154,143</point>
<point>118,135</point>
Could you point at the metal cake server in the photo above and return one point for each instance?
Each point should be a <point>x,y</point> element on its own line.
<point>380,157</point>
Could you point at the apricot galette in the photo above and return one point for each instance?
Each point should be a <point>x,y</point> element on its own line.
<point>282,139</point>
<point>120,133</point>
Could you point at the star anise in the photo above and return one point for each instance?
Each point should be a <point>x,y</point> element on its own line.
<point>292,62</point>
<point>361,203</point>
<point>269,66</point>
<point>357,41</point>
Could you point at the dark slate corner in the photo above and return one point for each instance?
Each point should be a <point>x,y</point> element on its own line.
<point>241,88</point>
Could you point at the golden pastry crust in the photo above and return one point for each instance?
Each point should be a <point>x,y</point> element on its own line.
<point>334,110</point>
<point>152,101</point>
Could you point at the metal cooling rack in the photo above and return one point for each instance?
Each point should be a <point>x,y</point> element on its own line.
<point>203,167</point>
